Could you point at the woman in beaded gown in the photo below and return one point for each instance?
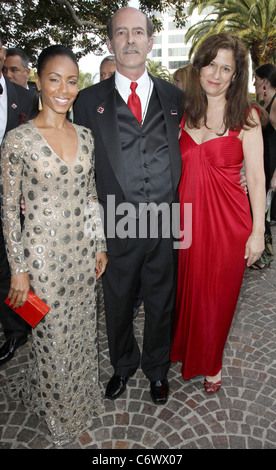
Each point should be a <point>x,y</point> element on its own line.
<point>50,161</point>
<point>219,130</point>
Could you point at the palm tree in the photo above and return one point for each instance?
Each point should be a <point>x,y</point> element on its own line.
<point>157,70</point>
<point>254,21</point>
<point>86,79</point>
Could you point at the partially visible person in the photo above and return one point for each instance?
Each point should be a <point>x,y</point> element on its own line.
<point>180,76</point>
<point>220,129</point>
<point>265,85</point>
<point>61,248</point>
<point>15,106</point>
<point>107,67</point>
<point>16,68</point>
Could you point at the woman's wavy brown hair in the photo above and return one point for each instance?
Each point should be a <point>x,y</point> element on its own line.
<point>237,113</point>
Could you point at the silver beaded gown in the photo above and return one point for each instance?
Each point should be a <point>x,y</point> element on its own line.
<point>62,234</point>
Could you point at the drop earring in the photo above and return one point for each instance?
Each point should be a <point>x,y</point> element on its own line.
<point>264,93</point>
<point>39,103</point>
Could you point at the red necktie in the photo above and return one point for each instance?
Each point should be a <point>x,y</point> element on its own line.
<point>134,102</point>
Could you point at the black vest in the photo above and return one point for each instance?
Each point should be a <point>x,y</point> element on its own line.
<point>145,153</point>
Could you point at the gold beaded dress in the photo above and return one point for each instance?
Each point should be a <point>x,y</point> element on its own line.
<point>58,244</point>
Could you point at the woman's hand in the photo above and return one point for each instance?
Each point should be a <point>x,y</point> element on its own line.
<point>253,249</point>
<point>22,205</point>
<point>101,262</point>
<point>19,288</point>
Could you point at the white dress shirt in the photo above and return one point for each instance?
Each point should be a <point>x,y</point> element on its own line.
<point>143,90</point>
<point>3,108</point>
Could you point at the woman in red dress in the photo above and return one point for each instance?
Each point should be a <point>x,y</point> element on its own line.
<point>220,129</point>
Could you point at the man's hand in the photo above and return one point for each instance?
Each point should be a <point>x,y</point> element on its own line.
<point>243,182</point>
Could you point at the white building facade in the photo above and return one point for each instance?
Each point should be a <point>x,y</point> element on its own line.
<point>169,48</point>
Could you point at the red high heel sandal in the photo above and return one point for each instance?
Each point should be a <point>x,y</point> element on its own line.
<point>212,387</point>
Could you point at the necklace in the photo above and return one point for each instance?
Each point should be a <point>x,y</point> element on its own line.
<point>147,103</point>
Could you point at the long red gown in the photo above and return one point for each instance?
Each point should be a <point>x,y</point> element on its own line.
<point>210,272</point>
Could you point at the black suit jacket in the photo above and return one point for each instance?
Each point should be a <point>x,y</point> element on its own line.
<point>95,108</point>
<point>18,108</point>
<point>32,87</point>
<point>19,104</point>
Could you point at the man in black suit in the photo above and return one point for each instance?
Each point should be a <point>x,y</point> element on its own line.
<point>137,162</point>
<point>15,103</point>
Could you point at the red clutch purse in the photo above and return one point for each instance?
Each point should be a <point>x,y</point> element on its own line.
<point>33,310</point>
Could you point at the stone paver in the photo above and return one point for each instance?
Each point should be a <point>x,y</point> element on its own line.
<point>242,415</point>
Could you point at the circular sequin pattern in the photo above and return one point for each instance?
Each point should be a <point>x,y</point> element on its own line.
<point>61,383</point>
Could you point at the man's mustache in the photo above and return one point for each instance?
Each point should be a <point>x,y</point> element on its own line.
<point>132,48</point>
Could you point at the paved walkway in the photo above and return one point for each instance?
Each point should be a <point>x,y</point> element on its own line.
<point>241,416</point>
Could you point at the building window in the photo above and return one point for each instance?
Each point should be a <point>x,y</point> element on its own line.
<point>176,51</point>
<point>176,38</point>
<point>177,63</point>
<point>156,52</point>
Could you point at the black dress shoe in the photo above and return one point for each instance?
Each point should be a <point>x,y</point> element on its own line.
<point>9,347</point>
<point>115,387</point>
<point>159,391</point>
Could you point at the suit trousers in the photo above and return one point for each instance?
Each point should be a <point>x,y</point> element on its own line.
<point>150,262</point>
